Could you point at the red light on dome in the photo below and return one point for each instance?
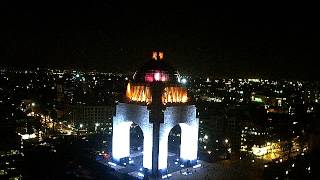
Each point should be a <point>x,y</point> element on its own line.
<point>164,78</point>
<point>156,76</point>
<point>148,77</point>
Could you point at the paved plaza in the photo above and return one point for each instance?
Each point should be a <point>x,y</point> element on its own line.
<point>226,169</point>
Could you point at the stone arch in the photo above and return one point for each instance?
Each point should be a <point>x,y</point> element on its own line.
<point>136,137</point>
<point>126,115</point>
<point>174,140</point>
<point>121,140</point>
<point>185,117</point>
<point>189,142</point>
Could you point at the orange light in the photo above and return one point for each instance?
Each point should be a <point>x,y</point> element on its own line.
<point>160,55</point>
<point>139,93</point>
<point>157,55</point>
<point>154,55</point>
<point>174,95</point>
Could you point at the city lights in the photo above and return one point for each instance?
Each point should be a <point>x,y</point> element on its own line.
<point>222,92</point>
<point>140,174</point>
<point>205,137</point>
<point>197,166</point>
<point>112,164</point>
<point>259,151</point>
<point>27,136</point>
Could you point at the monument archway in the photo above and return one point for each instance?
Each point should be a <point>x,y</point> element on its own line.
<point>156,101</point>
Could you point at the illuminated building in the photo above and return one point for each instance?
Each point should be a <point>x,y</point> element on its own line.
<point>59,104</point>
<point>156,102</point>
<point>88,116</point>
<point>218,123</point>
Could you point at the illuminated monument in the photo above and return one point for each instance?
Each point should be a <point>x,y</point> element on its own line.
<point>156,102</point>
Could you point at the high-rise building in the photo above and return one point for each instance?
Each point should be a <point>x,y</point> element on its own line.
<point>91,117</point>
<point>219,129</point>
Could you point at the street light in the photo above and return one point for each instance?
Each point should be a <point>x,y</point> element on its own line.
<point>226,141</point>
<point>205,137</point>
<point>96,126</point>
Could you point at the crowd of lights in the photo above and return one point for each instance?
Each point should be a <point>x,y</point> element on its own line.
<point>27,136</point>
<point>268,151</point>
<point>259,151</point>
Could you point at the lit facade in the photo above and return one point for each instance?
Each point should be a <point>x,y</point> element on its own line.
<point>142,93</point>
<point>156,102</point>
<point>88,116</point>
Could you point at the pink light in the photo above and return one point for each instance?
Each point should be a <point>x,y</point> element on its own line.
<point>157,76</point>
<point>163,78</point>
<point>149,77</point>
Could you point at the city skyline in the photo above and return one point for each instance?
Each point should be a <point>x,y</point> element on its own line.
<point>224,41</point>
<point>66,121</point>
<point>161,90</point>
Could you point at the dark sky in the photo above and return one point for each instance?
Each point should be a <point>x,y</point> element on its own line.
<point>265,40</point>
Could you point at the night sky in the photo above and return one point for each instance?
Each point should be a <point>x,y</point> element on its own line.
<point>266,40</point>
